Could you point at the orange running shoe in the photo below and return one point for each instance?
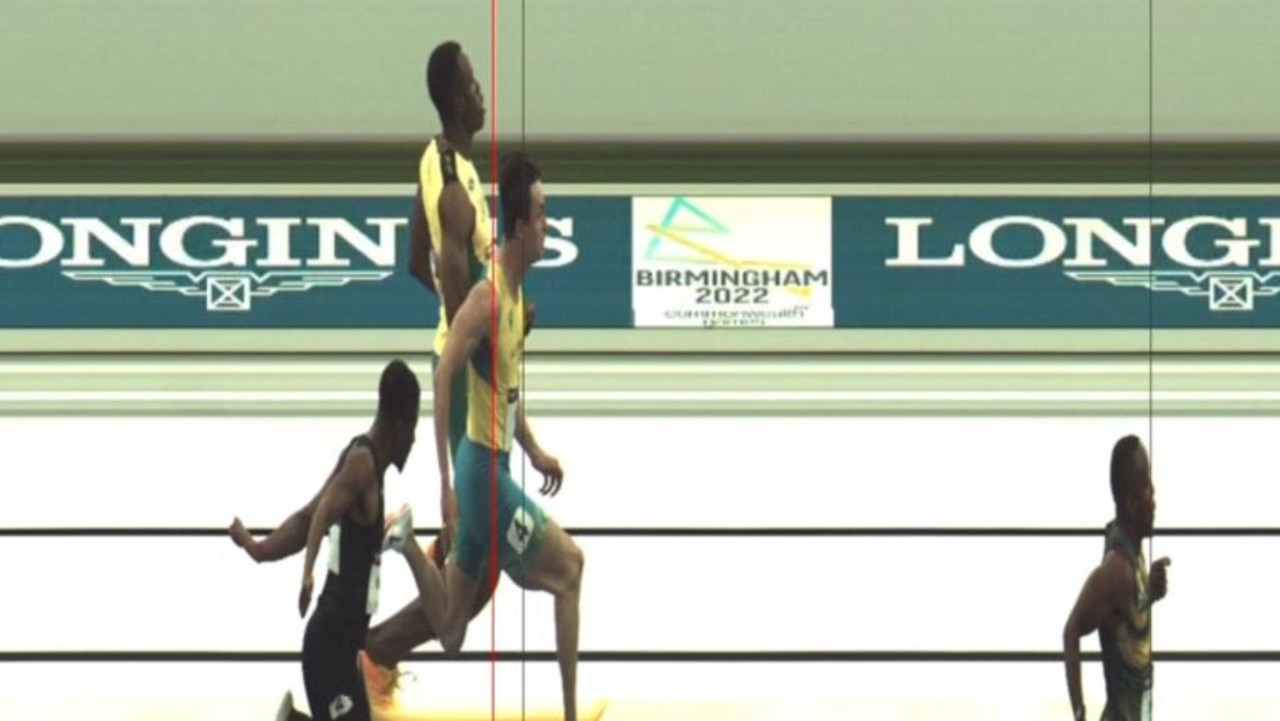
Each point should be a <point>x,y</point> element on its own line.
<point>380,682</point>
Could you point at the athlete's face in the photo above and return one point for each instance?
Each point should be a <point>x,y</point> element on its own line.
<point>1142,495</point>
<point>537,224</point>
<point>472,111</point>
<point>406,436</point>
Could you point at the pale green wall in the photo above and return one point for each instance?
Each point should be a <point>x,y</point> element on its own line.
<point>644,67</point>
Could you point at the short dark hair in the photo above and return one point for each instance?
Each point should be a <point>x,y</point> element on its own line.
<point>1124,464</point>
<point>399,395</point>
<point>519,172</point>
<point>444,76</point>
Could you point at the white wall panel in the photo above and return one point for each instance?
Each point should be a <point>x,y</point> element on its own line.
<point>655,472</point>
<point>663,594</point>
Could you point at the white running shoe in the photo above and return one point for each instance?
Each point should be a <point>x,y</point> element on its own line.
<point>399,529</point>
<point>286,707</point>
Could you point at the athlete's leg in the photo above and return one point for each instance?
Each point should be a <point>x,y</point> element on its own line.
<point>287,711</point>
<point>429,580</point>
<point>465,566</point>
<point>391,641</point>
<point>556,567</point>
<point>540,556</point>
<point>331,673</point>
<point>462,589</point>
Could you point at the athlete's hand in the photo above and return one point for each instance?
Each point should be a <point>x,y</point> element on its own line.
<point>304,598</point>
<point>552,474</point>
<point>1159,578</point>
<point>530,312</point>
<point>448,519</point>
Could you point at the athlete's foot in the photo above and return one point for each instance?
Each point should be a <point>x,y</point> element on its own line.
<point>242,538</point>
<point>285,712</point>
<point>399,530</point>
<point>380,682</point>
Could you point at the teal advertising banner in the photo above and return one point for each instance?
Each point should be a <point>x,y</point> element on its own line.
<point>195,262</point>
<point>1056,262</point>
<point>618,262</point>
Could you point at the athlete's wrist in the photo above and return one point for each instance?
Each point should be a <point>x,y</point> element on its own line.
<point>531,448</point>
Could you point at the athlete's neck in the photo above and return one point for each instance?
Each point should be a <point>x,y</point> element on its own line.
<point>459,139</point>
<point>512,262</point>
<point>1130,530</point>
<point>381,447</point>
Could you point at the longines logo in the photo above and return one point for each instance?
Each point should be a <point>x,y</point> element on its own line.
<point>559,249</point>
<point>227,261</point>
<point>1235,260</point>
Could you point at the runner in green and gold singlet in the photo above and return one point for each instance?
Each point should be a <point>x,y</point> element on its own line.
<point>1118,595</point>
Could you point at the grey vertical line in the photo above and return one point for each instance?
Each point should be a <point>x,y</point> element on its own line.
<point>1151,162</point>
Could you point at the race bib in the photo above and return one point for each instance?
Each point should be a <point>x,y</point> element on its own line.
<point>520,530</point>
<point>335,546</point>
<point>375,584</point>
<point>513,403</point>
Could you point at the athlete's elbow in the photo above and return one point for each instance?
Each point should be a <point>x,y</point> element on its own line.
<point>440,383</point>
<point>417,270</point>
<point>1071,635</point>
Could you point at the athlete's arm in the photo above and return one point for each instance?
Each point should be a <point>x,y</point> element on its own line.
<point>1159,578</point>
<point>524,434</point>
<point>457,223</point>
<point>542,462</point>
<point>343,490</point>
<point>468,328</point>
<point>1103,595</point>
<point>420,244</point>
<point>288,538</point>
<point>530,313</point>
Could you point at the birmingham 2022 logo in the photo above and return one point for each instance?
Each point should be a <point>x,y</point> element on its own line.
<point>1231,262</point>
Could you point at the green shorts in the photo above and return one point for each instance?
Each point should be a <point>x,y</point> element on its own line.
<point>457,405</point>
<point>521,523</point>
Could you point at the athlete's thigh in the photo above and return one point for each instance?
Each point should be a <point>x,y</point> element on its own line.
<point>483,595</point>
<point>403,631</point>
<point>330,671</point>
<point>534,550</point>
<point>555,565</point>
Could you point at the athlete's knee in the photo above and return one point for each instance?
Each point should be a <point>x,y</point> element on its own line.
<point>579,559</point>
<point>572,566</point>
<point>460,589</point>
<point>451,638</point>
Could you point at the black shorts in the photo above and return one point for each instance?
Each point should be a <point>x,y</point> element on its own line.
<point>331,670</point>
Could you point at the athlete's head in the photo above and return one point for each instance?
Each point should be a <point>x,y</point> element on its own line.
<point>399,397</point>
<point>453,87</point>
<point>1131,486</point>
<point>524,204</point>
